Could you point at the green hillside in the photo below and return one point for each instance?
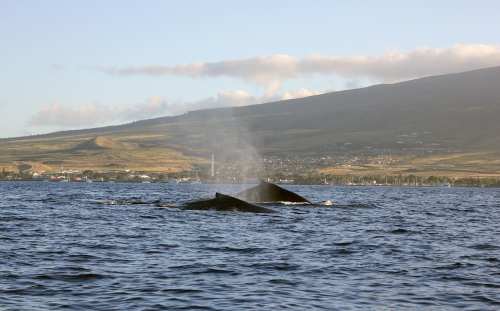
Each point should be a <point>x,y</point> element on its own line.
<point>448,114</point>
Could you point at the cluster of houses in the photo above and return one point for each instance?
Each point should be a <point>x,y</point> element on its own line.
<point>295,165</point>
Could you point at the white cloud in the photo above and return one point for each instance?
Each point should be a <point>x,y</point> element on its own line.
<point>88,115</point>
<point>223,99</point>
<point>260,69</point>
<point>352,83</point>
<point>56,114</point>
<point>241,98</point>
<point>91,114</point>
<point>301,93</point>
<point>389,66</point>
<point>395,66</point>
<point>153,107</point>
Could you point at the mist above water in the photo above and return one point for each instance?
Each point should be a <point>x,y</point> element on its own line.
<point>227,138</point>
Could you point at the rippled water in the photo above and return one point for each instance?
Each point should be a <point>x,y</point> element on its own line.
<point>114,246</point>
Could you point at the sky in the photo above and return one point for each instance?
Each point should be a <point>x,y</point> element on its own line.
<point>84,64</point>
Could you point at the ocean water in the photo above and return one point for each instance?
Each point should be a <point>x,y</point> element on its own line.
<point>117,246</point>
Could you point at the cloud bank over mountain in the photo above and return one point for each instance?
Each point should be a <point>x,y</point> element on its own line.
<point>390,66</point>
<point>95,113</point>
<point>155,106</point>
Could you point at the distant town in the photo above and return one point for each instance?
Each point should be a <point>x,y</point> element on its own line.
<point>290,169</point>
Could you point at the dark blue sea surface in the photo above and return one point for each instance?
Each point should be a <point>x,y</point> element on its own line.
<point>118,246</point>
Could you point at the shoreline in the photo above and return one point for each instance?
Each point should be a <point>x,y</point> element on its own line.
<point>243,183</point>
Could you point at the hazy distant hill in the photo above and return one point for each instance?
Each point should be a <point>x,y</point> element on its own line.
<point>458,111</point>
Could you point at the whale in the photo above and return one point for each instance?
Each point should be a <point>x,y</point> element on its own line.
<point>223,202</point>
<point>266,192</point>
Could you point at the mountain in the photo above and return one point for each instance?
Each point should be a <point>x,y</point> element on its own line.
<point>454,112</point>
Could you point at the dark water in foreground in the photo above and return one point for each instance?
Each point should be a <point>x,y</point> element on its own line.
<point>82,246</point>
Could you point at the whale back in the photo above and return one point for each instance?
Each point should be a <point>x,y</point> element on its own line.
<point>270,193</point>
<point>223,202</point>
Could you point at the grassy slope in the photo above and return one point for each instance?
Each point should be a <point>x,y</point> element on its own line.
<point>53,152</point>
<point>483,163</point>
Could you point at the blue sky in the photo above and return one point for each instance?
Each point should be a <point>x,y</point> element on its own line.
<point>82,64</point>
